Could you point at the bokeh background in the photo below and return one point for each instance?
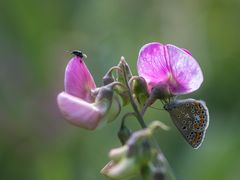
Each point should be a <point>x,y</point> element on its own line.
<point>36,142</point>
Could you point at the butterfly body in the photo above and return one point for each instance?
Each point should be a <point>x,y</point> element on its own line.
<point>191,117</point>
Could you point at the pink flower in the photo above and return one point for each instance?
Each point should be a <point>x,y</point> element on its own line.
<point>78,80</point>
<point>169,66</point>
<point>77,103</point>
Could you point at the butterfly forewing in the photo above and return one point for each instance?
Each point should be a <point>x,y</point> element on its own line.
<point>191,118</point>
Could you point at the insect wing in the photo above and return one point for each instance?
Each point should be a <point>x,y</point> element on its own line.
<point>191,117</point>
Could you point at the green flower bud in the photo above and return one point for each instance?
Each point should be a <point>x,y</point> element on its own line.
<point>139,89</point>
<point>124,134</point>
<point>129,159</point>
<point>125,68</point>
<point>109,76</point>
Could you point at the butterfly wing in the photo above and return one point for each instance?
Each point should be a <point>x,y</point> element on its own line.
<point>191,117</point>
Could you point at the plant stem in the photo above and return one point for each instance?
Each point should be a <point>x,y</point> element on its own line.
<point>138,114</point>
<point>145,173</point>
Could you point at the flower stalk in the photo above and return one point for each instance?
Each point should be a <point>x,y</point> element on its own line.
<point>135,108</point>
<point>144,171</point>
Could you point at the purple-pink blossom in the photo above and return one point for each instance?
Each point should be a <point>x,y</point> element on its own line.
<point>78,103</point>
<point>78,80</point>
<point>170,67</point>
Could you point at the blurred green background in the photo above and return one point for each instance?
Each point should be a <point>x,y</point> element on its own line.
<point>36,142</point>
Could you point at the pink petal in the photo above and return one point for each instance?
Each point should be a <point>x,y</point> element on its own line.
<point>152,64</point>
<point>78,80</point>
<point>171,66</point>
<point>187,51</point>
<point>186,72</point>
<point>79,112</point>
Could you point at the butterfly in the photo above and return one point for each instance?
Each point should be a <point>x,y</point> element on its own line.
<point>191,117</point>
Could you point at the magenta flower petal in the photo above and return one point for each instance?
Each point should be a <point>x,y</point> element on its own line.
<point>171,66</point>
<point>152,64</point>
<point>79,112</point>
<point>187,51</point>
<point>78,80</point>
<point>185,70</point>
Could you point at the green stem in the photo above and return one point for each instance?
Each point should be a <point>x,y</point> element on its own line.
<point>138,114</point>
<point>145,173</point>
<point>110,71</point>
<point>139,117</point>
<point>125,116</point>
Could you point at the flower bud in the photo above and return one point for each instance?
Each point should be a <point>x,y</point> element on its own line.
<point>123,65</point>
<point>139,89</point>
<point>121,170</point>
<point>123,68</point>
<point>107,80</point>
<point>124,134</point>
<point>118,153</point>
<point>129,159</point>
<point>108,77</point>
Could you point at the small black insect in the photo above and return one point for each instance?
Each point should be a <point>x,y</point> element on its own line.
<point>78,53</point>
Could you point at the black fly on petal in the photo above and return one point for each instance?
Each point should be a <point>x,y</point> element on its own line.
<point>79,54</point>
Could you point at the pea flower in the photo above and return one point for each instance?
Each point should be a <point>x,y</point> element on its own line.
<point>82,104</point>
<point>169,67</point>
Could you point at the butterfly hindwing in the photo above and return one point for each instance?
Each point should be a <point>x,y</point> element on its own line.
<point>191,117</point>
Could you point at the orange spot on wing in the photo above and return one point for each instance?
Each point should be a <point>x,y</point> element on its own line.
<point>196,126</point>
<point>197,137</point>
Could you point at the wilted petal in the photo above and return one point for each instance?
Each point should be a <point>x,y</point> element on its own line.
<point>79,112</point>
<point>186,71</point>
<point>78,80</point>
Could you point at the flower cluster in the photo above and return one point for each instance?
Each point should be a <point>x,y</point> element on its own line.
<point>165,71</point>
